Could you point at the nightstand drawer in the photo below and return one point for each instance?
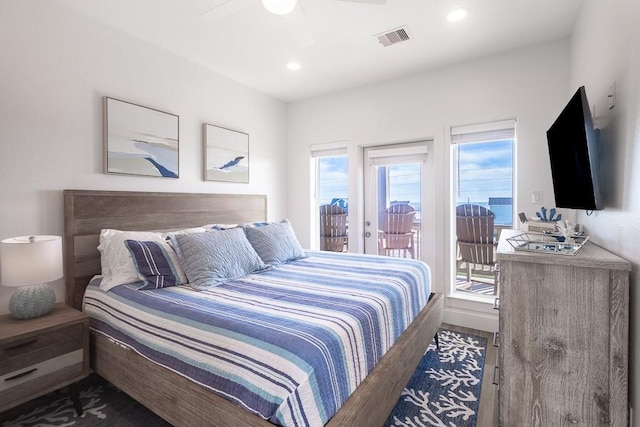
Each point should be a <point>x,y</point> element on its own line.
<point>32,349</point>
<point>42,354</point>
<point>42,369</point>
<point>25,384</point>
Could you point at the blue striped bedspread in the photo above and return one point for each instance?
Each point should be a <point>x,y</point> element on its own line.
<point>289,345</point>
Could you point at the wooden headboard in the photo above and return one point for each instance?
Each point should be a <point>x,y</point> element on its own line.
<point>86,212</point>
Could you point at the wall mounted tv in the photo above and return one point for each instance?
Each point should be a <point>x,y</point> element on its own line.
<point>573,151</point>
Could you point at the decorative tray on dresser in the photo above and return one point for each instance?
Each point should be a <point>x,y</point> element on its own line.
<point>42,354</point>
<point>563,339</point>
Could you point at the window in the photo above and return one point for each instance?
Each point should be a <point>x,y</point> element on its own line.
<point>332,203</point>
<point>483,183</point>
<point>332,180</point>
<point>485,177</point>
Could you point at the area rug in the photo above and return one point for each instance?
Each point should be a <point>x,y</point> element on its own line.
<point>444,391</point>
<point>445,388</point>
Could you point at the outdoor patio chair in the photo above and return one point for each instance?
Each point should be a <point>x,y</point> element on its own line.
<point>474,231</point>
<point>333,228</point>
<point>396,230</point>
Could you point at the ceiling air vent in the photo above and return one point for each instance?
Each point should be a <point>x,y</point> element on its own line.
<point>392,37</point>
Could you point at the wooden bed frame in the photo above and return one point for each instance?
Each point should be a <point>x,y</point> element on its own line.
<point>171,396</point>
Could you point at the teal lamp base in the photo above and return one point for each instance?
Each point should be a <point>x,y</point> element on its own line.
<point>32,301</point>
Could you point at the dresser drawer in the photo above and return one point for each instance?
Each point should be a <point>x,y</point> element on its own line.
<point>28,350</point>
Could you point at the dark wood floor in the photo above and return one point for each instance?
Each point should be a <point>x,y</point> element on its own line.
<point>487,411</point>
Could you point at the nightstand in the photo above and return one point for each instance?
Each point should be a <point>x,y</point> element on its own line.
<point>44,354</point>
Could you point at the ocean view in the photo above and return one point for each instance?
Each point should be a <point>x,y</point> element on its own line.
<point>504,213</point>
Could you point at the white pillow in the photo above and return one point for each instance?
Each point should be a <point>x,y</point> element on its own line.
<point>117,264</point>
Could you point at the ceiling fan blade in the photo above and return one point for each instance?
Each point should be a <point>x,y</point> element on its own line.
<point>295,20</point>
<point>225,8</point>
<point>300,27</point>
<point>367,1</point>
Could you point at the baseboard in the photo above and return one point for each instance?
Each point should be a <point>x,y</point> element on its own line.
<point>471,319</point>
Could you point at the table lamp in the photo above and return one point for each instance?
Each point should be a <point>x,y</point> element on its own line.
<point>30,262</point>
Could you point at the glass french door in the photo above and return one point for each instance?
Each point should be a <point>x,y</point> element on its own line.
<point>393,198</point>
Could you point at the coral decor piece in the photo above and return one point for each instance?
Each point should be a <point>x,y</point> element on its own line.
<point>542,215</point>
<point>567,229</point>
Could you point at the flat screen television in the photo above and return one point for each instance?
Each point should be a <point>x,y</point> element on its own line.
<point>573,151</point>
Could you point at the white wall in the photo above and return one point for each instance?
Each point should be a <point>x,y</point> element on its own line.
<point>529,85</point>
<point>605,48</point>
<point>56,67</point>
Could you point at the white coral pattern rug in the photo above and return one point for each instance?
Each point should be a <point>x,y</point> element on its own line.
<point>445,389</point>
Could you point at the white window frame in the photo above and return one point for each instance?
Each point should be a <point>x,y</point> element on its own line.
<point>476,133</point>
<point>319,151</point>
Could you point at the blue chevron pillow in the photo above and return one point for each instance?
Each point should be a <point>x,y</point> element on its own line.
<point>276,242</point>
<point>156,263</point>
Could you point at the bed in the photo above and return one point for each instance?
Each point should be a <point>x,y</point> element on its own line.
<point>177,399</point>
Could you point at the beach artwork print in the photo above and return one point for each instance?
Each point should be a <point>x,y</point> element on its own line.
<point>226,155</point>
<point>140,140</point>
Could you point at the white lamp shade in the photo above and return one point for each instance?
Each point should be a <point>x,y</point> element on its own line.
<point>279,7</point>
<point>30,260</point>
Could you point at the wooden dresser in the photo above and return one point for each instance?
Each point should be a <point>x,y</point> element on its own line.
<point>563,338</point>
<point>41,355</point>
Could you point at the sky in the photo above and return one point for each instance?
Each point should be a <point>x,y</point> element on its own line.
<point>333,179</point>
<point>485,170</point>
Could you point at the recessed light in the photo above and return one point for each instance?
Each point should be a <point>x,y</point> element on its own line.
<point>293,66</point>
<point>457,15</point>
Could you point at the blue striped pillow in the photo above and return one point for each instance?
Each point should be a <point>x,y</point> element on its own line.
<point>156,264</point>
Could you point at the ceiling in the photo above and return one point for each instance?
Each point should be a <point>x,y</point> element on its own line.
<point>332,40</point>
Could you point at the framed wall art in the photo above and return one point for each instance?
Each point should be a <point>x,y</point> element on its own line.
<point>226,154</point>
<point>140,140</point>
